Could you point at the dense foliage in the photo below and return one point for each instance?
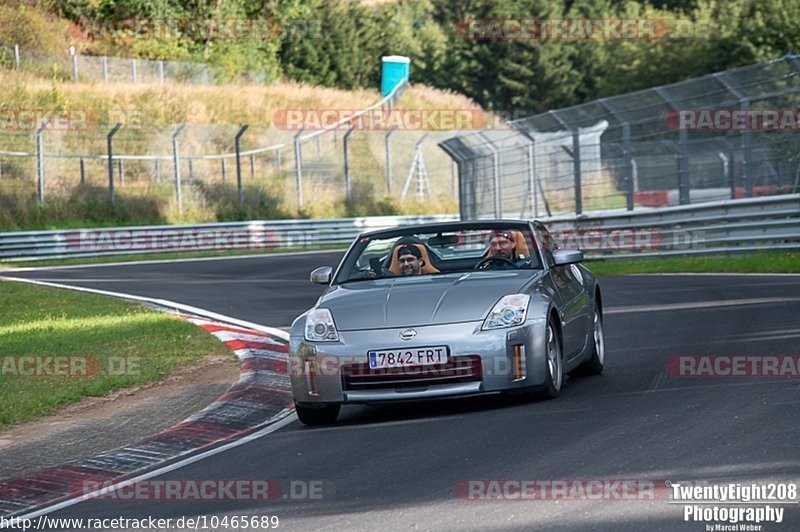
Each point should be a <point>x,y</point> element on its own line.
<point>340,42</point>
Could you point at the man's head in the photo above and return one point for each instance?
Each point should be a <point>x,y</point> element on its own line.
<point>410,260</point>
<point>502,245</point>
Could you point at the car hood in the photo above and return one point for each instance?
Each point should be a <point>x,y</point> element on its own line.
<point>425,300</point>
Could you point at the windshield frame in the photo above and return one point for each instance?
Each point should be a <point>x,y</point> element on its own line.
<point>358,245</point>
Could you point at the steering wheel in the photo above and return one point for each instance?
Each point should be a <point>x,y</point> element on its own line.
<point>495,258</point>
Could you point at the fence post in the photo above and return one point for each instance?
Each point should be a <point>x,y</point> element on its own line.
<point>532,179</point>
<point>133,71</point>
<point>498,200</point>
<point>747,149</point>
<point>387,146</point>
<point>278,161</point>
<point>318,145</point>
<point>224,170</point>
<point>176,164</point>
<point>40,161</point>
<point>453,179</point>
<point>161,72</point>
<point>74,65</point>
<point>111,194</point>
<point>626,161</point>
<point>576,169</point>
<point>252,166</point>
<point>16,56</point>
<point>298,165</point>
<point>346,144</point>
<point>105,69</point>
<point>83,172</point>
<point>121,172</point>
<point>158,170</point>
<point>236,143</point>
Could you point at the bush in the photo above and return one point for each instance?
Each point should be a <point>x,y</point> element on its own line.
<point>260,202</point>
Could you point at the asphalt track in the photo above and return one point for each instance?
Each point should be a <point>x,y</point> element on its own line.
<point>397,467</point>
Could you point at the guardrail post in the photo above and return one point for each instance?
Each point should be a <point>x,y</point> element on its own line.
<point>16,56</point>
<point>133,71</point>
<point>83,172</point>
<point>236,143</point>
<point>104,62</point>
<point>40,161</point>
<point>224,170</point>
<point>176,165</point>
<point>388,151</point>
<point>298,165</point>
<point>346,144</point>
<point>111,193</point>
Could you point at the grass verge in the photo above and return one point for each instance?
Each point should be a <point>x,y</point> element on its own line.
<point>770,262</point>
<point>96,345</point>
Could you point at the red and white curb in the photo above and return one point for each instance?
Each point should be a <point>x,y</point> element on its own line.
<point>257,404</point>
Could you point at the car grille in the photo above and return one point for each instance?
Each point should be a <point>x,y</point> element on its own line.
<point>457,370</point>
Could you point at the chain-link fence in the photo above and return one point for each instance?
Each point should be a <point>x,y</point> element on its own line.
<point>103,69</point>
<point>725,135</point>
<point>210,171</point>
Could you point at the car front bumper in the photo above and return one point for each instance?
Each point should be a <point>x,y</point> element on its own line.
<point>480,362</point>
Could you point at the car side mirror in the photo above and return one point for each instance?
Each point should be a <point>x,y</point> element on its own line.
<point>562,257</point>
<point>322,275</point>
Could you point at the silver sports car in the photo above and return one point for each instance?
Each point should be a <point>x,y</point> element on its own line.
<point>443,310</point>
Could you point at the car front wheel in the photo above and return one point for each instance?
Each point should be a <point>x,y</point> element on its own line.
<point>554,368</point>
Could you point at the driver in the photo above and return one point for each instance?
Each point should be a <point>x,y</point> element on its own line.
<point>503,245</point>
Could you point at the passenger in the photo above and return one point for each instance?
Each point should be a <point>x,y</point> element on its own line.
<point>410,260</point>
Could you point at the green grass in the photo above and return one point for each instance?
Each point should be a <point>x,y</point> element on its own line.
<point>162,256</point>
<point>770,262</point>
<point>102,333</point>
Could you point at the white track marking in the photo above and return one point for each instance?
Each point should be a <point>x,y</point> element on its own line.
<point>160,302</point>
<point>278,421</point>
<point>701,304</point>
<point>287,418</point>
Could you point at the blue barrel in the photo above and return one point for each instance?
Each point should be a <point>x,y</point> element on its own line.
<point>395,70</point>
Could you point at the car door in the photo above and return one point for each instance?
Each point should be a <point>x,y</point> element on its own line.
<point>573,301</point>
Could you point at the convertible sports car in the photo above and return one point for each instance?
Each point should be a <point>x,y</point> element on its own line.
<point>442,310</point>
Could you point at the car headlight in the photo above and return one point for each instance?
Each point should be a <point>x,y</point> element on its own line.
<point>507,312</point>
<point>320,326</point>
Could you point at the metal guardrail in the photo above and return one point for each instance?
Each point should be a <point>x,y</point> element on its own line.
<point>731,226</point>
<point>234,236</point>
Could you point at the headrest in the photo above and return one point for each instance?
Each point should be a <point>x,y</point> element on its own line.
<point>427,268</point>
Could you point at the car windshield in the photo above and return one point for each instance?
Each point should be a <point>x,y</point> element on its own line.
<point>439,252</point>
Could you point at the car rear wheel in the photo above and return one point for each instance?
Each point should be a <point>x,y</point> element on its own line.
<point>554,369</point>
<point>594,366</point>
<point>320,415</point>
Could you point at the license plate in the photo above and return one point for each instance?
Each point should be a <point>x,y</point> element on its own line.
<point>412,356</point>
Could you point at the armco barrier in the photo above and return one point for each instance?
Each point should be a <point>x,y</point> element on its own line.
<point>744,225</point>
<point>731,226</point>
<point>254,235</point>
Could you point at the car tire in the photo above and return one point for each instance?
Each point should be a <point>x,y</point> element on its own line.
<point>594,366</point>
<point>320,415</point>
<point>554,364</point>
